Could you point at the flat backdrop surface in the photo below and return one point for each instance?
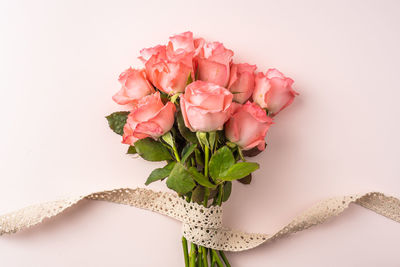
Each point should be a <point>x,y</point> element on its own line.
<point>59,64</point>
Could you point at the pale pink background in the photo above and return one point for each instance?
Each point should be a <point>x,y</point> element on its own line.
<point>59,65</point>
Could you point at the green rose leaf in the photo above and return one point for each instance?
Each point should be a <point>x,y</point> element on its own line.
<point>185,132</point>
<point>187,151</point>
<point>164,97</point>
<point>180,179</point>
<point>200,178</point>
<point>227,191</point>
<point>252,152</point>
<point>117,121</point>
<point>160,173</point>
<point>246,180</point>
<point>131,150</point>
<point>213,193</point>
<point>198,194</point>
<point>220,162</point>
<point>239,170</point>
<point>151,150</point>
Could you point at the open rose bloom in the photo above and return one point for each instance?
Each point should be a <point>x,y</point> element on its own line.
<point>193,106</point>
<point>205,106</point>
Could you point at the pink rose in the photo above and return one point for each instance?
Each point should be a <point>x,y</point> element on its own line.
<point>149,118</point>
<point>134,86</point>
<point>241,82</point>
<point>248,126</point>
<point>147,53</point>
<point>205,106</point>
<point>168,70</point>
<point>273,91</point>
<point>184,42</point>
<point>213,63</point>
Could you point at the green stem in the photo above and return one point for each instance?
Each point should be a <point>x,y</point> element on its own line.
<point>206,190</point>
<point>176,154</point>
<point>185,251</point>
<point>224,258</point>
<point>192,256</point>
<point>216,259</point>
<point>206,156</point>
<point>199,257</point>
<point>206,195</point>
<point>220,194</point>
<point>214,201</point>
<point>205,258</point>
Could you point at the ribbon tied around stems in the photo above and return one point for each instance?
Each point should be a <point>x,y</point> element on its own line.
<point>203,226</point>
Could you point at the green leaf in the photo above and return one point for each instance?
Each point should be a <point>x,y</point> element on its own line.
<point>131,150</point>
<point>198,194</point>
<point>252,152</point>
<point>187,151</point>
<point>246,180</point>
<point>239,170</point>
<point>213,193</point>
<point>164,97</point>
<point>151,150</point>
<point>175,97</point>
<point>185,132</point>
<point>157,174</point>
<point>220,162</point>
<point>200,178</point>
<point>160,173</point>
<point>117,121</point>
<point>170,165</point>
<point>167,137</point>
<point>180,179</point>
<point>227,191</point>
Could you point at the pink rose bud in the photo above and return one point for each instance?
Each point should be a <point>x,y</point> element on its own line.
<point>149,118</point>
<point>134,86</point>
<point>213,63</point>
<point>166,69</point>
<point>241,82</point>
<point>273,91</point>
<point>205,106</point>
<point>248,126</point>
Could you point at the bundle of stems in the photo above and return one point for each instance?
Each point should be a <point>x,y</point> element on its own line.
<point>200,256</point>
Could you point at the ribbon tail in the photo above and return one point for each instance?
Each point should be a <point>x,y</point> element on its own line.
<point>203,226</point>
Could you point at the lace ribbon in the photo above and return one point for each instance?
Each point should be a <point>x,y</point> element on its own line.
<point>203,226</point>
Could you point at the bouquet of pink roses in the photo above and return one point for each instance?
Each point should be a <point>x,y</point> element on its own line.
<point>193,108</point>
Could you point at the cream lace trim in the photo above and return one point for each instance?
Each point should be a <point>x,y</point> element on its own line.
<point>203,226</point>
